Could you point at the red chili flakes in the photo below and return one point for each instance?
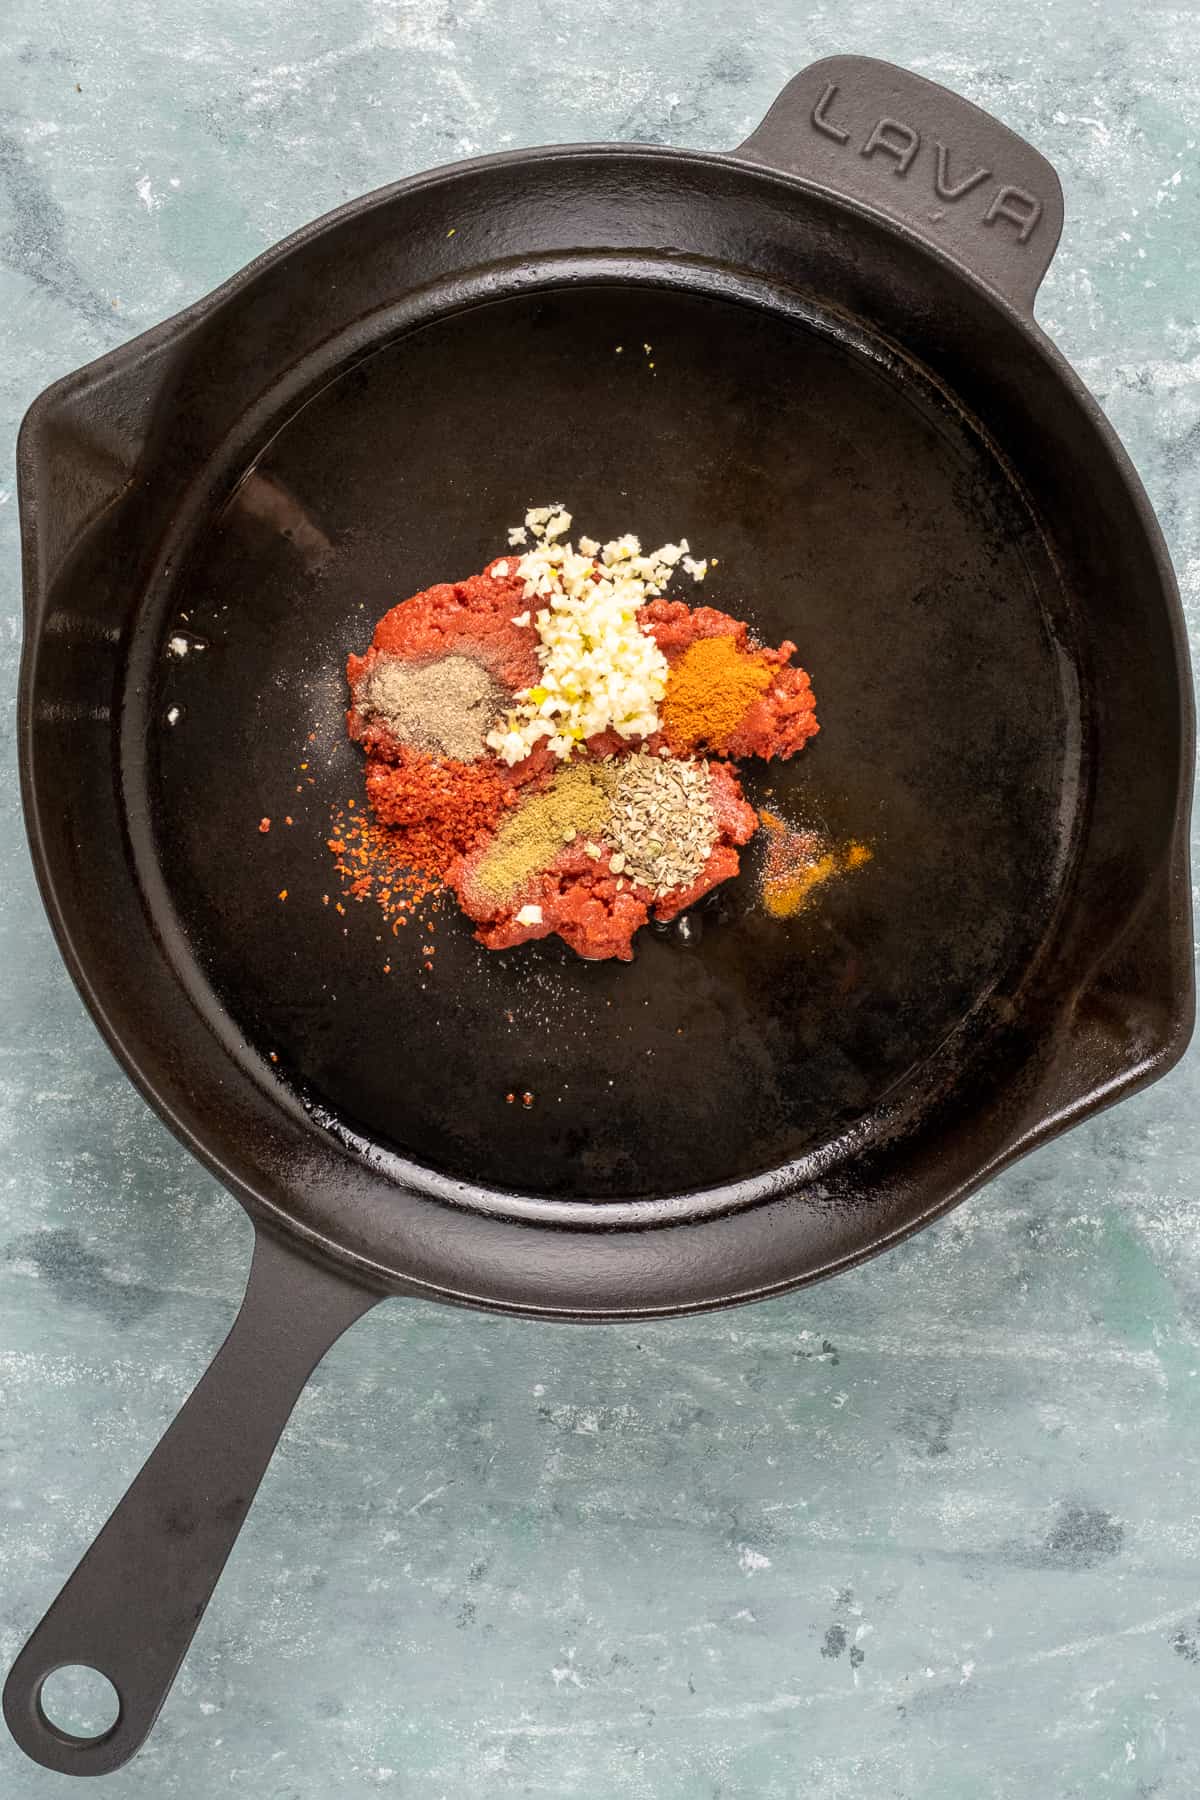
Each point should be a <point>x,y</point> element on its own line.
<point>264,825</point>
<point>527,1100</point>
<point>283,893</point>
<point>399,868</point>
<point>510,1098</point>
<point>288,819</point>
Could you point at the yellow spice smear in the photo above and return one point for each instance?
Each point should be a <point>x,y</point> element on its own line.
<point>798,863</point>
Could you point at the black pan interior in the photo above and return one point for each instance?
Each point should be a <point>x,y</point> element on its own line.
<point>854,509</point>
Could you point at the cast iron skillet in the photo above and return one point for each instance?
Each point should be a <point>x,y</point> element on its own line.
<point>851,406</point>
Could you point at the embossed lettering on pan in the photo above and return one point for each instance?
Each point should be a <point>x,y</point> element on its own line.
<point>902,142</point>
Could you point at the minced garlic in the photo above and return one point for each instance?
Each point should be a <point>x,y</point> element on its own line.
<point>601,670</point>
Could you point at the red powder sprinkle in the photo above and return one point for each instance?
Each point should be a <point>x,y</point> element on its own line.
<point>264,824</point>
<point>443,808</point>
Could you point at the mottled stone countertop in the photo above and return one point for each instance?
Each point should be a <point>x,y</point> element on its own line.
<point>931,1530</point>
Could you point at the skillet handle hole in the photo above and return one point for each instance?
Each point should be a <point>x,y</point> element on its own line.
<point>79,1703</point>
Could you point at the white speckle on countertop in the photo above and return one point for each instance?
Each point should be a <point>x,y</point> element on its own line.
<point>567,1672</point>
<point>146,194</point>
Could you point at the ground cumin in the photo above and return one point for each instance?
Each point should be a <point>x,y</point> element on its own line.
<point>577,804</point>
<point>709,692</point>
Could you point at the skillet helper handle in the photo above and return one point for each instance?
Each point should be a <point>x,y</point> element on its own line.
<point>954,176</point>
<point>134,1602</point>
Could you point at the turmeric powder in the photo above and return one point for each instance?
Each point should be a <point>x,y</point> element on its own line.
<point>709,692</point>
<point>797,862</point>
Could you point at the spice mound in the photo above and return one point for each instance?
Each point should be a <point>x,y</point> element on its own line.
<point>552,740</point>
<point>445,707</point>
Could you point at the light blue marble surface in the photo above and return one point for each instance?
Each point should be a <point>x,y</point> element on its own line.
<point>932,1530</point>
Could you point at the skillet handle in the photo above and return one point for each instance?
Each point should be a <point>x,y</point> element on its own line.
<point>135,1600</point>
<point>954,176</point>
